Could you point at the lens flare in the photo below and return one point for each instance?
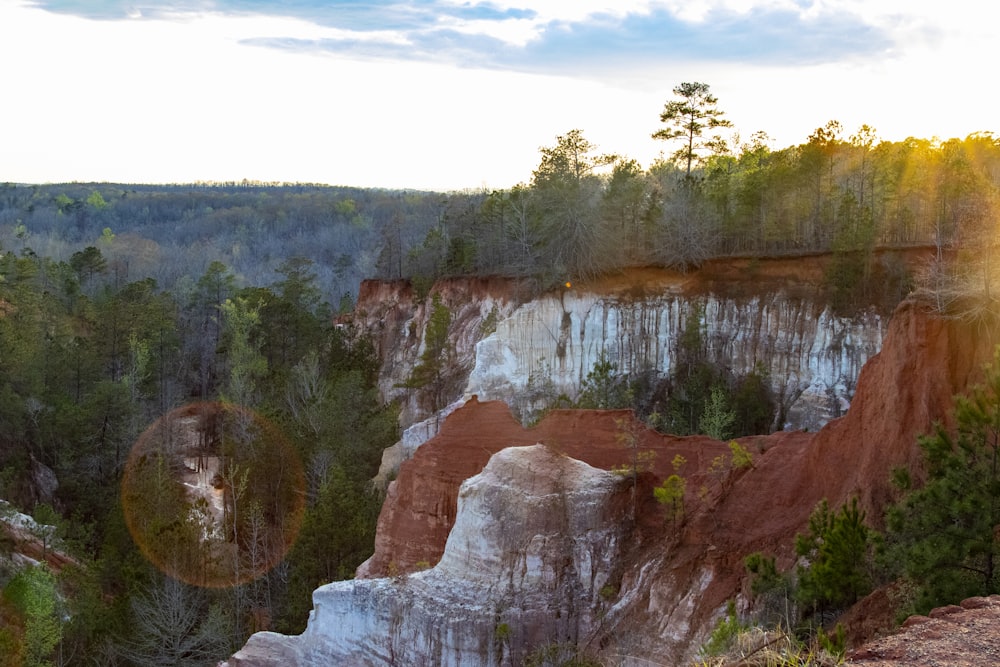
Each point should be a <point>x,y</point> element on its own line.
<point>213,494</point>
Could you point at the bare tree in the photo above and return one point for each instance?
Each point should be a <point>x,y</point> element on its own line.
<point>174,626</point>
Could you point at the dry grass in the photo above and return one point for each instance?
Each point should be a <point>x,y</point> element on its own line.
<point>756,647</point>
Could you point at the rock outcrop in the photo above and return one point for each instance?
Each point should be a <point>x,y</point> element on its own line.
<point>506,342</point>
<point>925,361</point>
<point>421,504</point>
<point>674,586</point>
<point>665,581</point>
<point>535,542</point>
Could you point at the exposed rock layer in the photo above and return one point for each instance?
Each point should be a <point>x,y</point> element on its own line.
<point>532,549</point>
<point>673,598</point>
<point>666,586</point>
<point>962,635</point>
<point>767,313</point>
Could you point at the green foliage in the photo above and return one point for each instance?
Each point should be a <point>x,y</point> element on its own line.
<point>96,201</point>
<point>247,365</point>
<point>753,403</point>
<point>539,397</point>
<point>432,371</point>
<point>836,551</point>
<point>87,263</point>
<point>835,644</point>
<point>942,537</point>
<point>86,364</point>
<point>717,419</point>
<point>705,397</point>
<point>725,633</point>
<point>567,228</point>
<point>691,377</point>
<point>670,494</point>
<point>739,456</point>
<point>773,592</point>
<point>34,594</point>
<point>489,323</point>
<point>688,118</point>
<point>337,534</point>
<point>604,388</point>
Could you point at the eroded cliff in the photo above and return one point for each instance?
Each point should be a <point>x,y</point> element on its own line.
<point>534,544</point>
<point>667,580</point>
<point>506,341</point>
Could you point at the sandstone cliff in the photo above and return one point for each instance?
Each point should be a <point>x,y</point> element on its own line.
<point>666,583</point>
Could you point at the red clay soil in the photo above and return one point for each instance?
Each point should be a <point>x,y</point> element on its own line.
<point>420,508</point>
<point>962,635</point>
<point>924,362</point>
<point>801,275</point>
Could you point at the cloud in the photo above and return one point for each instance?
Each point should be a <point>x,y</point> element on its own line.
<point>487,35</point>
<point>759,36</point>
<point>604,43</point>
<point>347,14</point>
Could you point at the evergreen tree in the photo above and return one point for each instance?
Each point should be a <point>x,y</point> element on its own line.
<point>718,418</point>
<point>836,551</point>
<point>34,593</point>
<point>943,537</point>
<point>604,388</point>
<point>688,118</point>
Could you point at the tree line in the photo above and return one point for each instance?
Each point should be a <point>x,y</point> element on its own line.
<point>172,232</point>
<point>583,212</point>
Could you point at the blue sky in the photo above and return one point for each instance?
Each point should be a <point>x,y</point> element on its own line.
<point>457,94</point>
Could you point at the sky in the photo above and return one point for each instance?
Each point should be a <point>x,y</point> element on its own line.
<point>459,94</point>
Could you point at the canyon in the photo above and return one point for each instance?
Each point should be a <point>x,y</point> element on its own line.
<point>498,539</point>
<point>507,342</point>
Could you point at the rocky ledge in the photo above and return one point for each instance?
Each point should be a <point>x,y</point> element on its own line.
<point>963,635</point>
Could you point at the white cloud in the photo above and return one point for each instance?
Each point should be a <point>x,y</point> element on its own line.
<point>182,100</point>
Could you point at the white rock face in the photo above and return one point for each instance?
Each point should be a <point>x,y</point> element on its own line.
<point>524,565</point>
<point>813,356</point>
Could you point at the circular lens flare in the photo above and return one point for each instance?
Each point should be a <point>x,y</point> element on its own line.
<point>213,494</point>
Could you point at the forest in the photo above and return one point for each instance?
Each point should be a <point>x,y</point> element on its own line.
<point>148,329</point>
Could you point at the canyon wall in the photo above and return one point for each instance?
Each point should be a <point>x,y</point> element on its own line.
<point>664,580</point>
<point>506,341</point>
<point>812,356</point>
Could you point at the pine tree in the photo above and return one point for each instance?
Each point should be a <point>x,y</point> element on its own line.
<point>943,536</point>
<point>688,118</point>
<point>836,549</point>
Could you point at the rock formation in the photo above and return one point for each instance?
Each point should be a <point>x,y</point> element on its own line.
<point>665,584</point>
<point>966,634</point>
<point>505,340</point>
<point>535,542</point>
